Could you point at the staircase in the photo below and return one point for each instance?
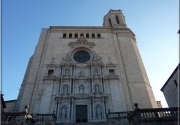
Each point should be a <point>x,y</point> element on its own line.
<point>88,123</point>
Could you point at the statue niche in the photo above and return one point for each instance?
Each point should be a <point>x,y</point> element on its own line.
<point>65,89</point>
<point>95,72</point>
<point>64,112</point>
<point>81,89</point>
<point>67,72</point>
<point>98,111</point>
<point>97,88</point>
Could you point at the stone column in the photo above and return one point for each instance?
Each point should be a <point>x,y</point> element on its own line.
<point>92,89</point>
<point>90,114</point>
<point>101,86</point>
<point>70,85</point>
<point>103,108</point>
<point>93,108</point>
<point>104,81</point>
<point>72,110</point>
<point>89,85</point>
<point>59,106</point>
<point>106,105</point>
<point>61,86</point>
<point>55,106</point>
<point>69,112</point>
<point>73,85</point>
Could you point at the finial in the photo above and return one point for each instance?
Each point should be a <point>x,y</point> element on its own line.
<point>136,106</point>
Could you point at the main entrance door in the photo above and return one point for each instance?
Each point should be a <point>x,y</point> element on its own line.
<point>81,113</point>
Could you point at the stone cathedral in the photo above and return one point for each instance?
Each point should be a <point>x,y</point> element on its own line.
<point>79,73</point>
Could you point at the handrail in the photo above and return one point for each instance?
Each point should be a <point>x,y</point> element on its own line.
<point>154,114</point>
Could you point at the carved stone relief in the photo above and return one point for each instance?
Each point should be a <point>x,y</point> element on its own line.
<point>82,74</point>
<point>64,112</point>
<point>65,89</point>
<point>98,111</point>
<point>95,72</point>
<point>67,72</point>
<point>81,89</point>
<point>97,88</point>
<point>81,42</point>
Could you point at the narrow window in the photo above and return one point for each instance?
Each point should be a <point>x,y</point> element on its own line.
<point>117,19</point>
<point>98,35</point>
<point>82,34</point>
<point>64,35</point>
<point>50,72</point>
<point>87,35</point>
<point>70,35</point>
<point>111,72</point>
<point>110,22</point>
<point>93,35</point>
<point>175,82</point>
<point>76,35</point>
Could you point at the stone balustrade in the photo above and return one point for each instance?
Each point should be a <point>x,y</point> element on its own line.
<point>49,119</point>
<point>12,118</point>
<point>154,116</point>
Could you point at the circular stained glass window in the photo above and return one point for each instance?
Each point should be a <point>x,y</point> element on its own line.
<point>81,56</point>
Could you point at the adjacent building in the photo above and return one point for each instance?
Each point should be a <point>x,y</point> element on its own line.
<point>82,72</point>
<point>171,88</point>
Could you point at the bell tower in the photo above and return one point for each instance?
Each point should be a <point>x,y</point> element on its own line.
<point>115,19</point>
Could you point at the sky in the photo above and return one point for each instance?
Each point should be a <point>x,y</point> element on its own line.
<point>154,22</point>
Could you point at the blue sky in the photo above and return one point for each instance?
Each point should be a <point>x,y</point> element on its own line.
<point>155,23</point>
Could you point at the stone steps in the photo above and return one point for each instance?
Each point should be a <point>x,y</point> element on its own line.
<point>89,123</point>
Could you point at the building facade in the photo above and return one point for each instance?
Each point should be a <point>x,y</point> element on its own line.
<point>170,88</point>
<point>82,72</point>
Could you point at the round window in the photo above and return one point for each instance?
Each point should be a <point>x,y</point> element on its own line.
<point>81,56</point>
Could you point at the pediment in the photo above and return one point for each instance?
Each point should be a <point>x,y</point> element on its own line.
<point>111,64</point>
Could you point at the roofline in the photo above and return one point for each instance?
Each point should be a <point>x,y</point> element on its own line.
<point>110,11</point>
<point>10,100</point>
<point>78,27</point>
<point>171,76</point>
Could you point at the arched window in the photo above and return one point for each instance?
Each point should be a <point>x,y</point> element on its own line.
<point>70,35</point>
<point>87,35</point>
<point>98,35</point>
<point>82,34</point>
<point>64,35</point>
<point>93,35</point>
<point>117,19</point>
<point>76,35</point>
<point>110,22</point>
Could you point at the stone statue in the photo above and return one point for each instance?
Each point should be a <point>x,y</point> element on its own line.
<point>81,89</point>
<point>98,111</point>
<point>82,74</point>
<point>63,113</point>
<point>95,72</point>
<point>96,89</point>
<point>67,72</point>
<point>65,89</point>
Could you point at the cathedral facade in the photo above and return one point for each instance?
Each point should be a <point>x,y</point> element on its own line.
<point>82,72</point>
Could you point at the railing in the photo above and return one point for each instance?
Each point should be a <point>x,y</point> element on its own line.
<point>49,119</point>
<point>163,115</point>
<point>18,118</point>
<point>12,118</point>
<point>118,116</point>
